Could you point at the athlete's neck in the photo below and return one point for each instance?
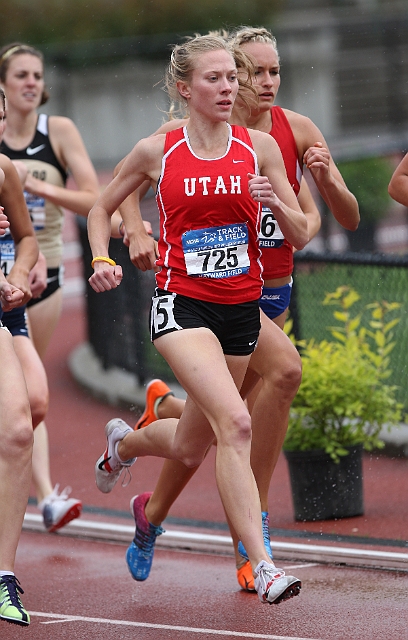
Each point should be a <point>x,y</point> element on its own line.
<point>259,120</point>
<point>208,140</point>
<point>20,129</point>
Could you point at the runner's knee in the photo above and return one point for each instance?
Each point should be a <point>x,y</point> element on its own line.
<point>236,431</point>
<point>190,459</point>
<point>39,408</point>
<point>291,374</point>
<point>17,439</point>
<point>287,377</point>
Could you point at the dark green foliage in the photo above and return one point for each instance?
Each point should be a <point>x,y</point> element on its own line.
<point>345,398</point>
<point>67,21</point>
<point>368,180</point>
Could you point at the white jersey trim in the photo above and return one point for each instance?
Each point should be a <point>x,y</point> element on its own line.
<point>258,221</point>
<point>299,173</point>
<point>159,195</point>
<point>187,140</point>
<point>42,124</point>
<point>250,149</point>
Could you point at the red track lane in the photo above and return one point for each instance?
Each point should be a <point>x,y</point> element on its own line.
<point>65,577</point>
<point>76,429</point>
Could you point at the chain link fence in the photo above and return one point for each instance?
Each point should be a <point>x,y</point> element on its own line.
<point>375,277</point>
<point>118,320</point>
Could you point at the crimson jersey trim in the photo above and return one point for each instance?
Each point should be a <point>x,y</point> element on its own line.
<point>278,262</point>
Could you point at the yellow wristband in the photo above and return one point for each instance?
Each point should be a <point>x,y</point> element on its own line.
<point>103,259</point>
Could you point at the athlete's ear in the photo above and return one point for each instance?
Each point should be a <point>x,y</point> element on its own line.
<point>183,89</point>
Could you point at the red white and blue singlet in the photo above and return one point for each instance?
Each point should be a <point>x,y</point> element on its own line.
<point>209,222</point>
<point>277,252</point>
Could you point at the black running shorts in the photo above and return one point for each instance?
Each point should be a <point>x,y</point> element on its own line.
<point>235,325</point>
<point>55,279</point>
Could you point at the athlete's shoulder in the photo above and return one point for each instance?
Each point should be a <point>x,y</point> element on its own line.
<point>303,128</point>
<point>262,139</point>
<point>7,166</point>
<point>11,177</point>
<point>148,148</point>
<point>60,123</point>
<point>63,133</point>
<point>293,116</point>
<point>5,161</point>
<point>171,125</point>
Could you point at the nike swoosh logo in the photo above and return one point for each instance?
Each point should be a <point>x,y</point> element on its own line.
<point>32,152</point>
<point>102,464</point>
<point>235,161</point>
<point>251,343</point>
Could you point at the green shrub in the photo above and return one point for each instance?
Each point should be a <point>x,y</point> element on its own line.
<point>344,399</point>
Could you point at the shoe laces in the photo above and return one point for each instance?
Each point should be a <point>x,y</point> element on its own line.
<point>12,588</point>
<point>272,573</point>
<point>265,530</point>
<point>64,495</point>
<point>126,476</point>
<point>144,540</point>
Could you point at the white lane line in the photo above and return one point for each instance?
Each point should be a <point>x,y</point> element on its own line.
<point>174,539</point>
<point>301,566</point>
<point>74,286</point>
<point>146,625</point>
<point>57,621</point>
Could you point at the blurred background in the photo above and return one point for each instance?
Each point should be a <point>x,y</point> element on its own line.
<point>343,64</point>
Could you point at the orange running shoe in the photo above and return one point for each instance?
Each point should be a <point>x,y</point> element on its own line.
<point>156,391</point>
<point>245,577</point>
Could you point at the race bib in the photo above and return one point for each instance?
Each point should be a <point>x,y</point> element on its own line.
<point>36,209</point>
<point>217,252</point>
<point>7,253</point>
<point>270,234</point>
<point>162,314</point>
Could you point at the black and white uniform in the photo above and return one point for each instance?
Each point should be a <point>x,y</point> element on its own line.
<point>47,218</point>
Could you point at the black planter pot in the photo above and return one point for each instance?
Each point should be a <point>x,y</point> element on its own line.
<point>322,489</point>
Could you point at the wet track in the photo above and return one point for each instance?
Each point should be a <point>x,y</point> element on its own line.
<point>81,589</point>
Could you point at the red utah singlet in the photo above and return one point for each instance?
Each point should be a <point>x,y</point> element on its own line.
<point>209,223</point>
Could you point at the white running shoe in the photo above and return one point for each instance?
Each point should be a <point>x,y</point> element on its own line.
<point>109,466</point>
<point>273,586</point>
<point>58,509</point>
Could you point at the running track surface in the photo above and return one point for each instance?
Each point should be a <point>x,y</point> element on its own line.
<point>78,589</point>
<point>192,595</point>
<point>76,430</point>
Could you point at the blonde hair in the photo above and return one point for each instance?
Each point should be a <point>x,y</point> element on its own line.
<point>243,35</point>
<point>15,49</point>
<point>182,64</point>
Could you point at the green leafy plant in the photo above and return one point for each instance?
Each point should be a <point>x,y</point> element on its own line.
<point>344,399</point>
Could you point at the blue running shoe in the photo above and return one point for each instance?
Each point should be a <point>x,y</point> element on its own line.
<point>139,556</point>
<point>267,540</point>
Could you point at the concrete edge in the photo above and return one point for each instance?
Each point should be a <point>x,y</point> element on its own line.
<point>217,544</point>
<point>118,387</point>
<point>395,440</point>
<point>115,386</point>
